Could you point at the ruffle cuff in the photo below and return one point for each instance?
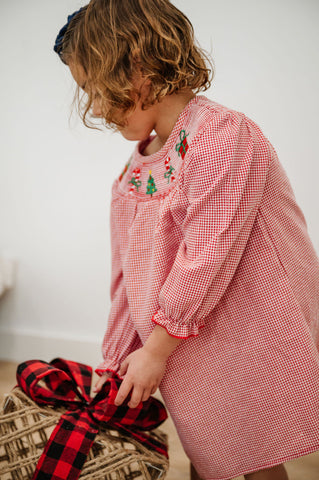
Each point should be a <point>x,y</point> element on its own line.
<point>109,365</point>
<point>174,329</point>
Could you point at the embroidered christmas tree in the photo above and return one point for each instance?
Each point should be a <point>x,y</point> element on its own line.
<point>169,171</point>
<point>182,146</point>
<point>151,188</point>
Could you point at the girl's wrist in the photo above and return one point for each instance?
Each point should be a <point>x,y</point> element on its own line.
<point>156,353</point>
<point>160,344</point>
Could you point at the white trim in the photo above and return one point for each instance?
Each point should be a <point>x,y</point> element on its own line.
<point>18,345</point>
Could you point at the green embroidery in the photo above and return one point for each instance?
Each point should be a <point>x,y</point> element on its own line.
<point>151,188</point>
<point>182,147</point>
<point>125,169</point>
<point>169,173</point>
<point>135,180</point>
<point>136,183</point>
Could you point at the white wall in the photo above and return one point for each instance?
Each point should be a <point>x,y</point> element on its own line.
<point>55,178</point>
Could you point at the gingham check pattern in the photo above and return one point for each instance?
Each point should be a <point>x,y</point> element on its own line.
<point>63,382</point>
<point>221,256</point>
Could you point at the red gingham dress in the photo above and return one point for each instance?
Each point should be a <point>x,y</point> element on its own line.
<point>208,242</point>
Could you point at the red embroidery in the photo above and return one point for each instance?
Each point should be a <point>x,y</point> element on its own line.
<point>125,170</point>
<point>182,147</point>
<point>169,170</point>
<point>135,180</point>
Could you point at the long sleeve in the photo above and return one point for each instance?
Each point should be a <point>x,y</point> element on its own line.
<point>222,185</point>
<point>121,337</point>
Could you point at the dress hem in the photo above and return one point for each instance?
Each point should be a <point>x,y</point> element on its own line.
<point>269,465</point>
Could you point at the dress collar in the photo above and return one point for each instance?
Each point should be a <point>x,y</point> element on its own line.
<point>148,176</point>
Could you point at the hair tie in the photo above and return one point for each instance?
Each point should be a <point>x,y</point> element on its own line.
<point>59,39</point>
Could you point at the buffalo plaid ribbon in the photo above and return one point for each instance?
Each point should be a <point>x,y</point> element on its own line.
<point>66,383</point>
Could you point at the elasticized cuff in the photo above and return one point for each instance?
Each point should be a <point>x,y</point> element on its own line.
<point>174,329</point>
<point>109,365</point>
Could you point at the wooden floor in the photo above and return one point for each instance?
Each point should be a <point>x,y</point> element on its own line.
<point>305,468</point>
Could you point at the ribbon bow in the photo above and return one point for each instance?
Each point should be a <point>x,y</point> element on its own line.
<point>60,37</point>
<point>67,383</point>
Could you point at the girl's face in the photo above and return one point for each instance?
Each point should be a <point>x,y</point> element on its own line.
<point>139,124</point>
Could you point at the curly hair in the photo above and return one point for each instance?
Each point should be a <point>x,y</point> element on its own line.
<point>111,39</point>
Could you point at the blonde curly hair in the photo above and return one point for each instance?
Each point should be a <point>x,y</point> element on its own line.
<point>111,39</point>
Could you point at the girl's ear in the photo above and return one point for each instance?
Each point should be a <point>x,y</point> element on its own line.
<point>135,54</point>
<point>136,63</point>
<point>141,80</point>
<point>145,88</point>
<point>142,85</point>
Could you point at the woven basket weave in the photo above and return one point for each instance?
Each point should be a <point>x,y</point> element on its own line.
<point>25,429</point>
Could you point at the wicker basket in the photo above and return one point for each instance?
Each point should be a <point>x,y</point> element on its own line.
<point>25,429</point>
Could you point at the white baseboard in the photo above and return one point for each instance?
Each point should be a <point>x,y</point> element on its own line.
<point>20,345</point>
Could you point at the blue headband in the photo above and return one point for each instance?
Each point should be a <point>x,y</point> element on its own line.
<point>59,39</point>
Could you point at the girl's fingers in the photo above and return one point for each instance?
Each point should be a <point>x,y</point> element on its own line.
<point>97,387</point>
<point>146,395</point>
<point>136,397</point>
<point>123,392</point>
<point>123,368</point>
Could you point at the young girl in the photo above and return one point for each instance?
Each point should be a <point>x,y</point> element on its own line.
<point>215,282</point>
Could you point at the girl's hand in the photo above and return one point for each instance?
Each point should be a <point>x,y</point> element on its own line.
<point>97,387</point>
<point>143,372</point>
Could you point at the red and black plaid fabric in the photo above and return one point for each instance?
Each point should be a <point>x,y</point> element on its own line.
<point>67,383</point>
